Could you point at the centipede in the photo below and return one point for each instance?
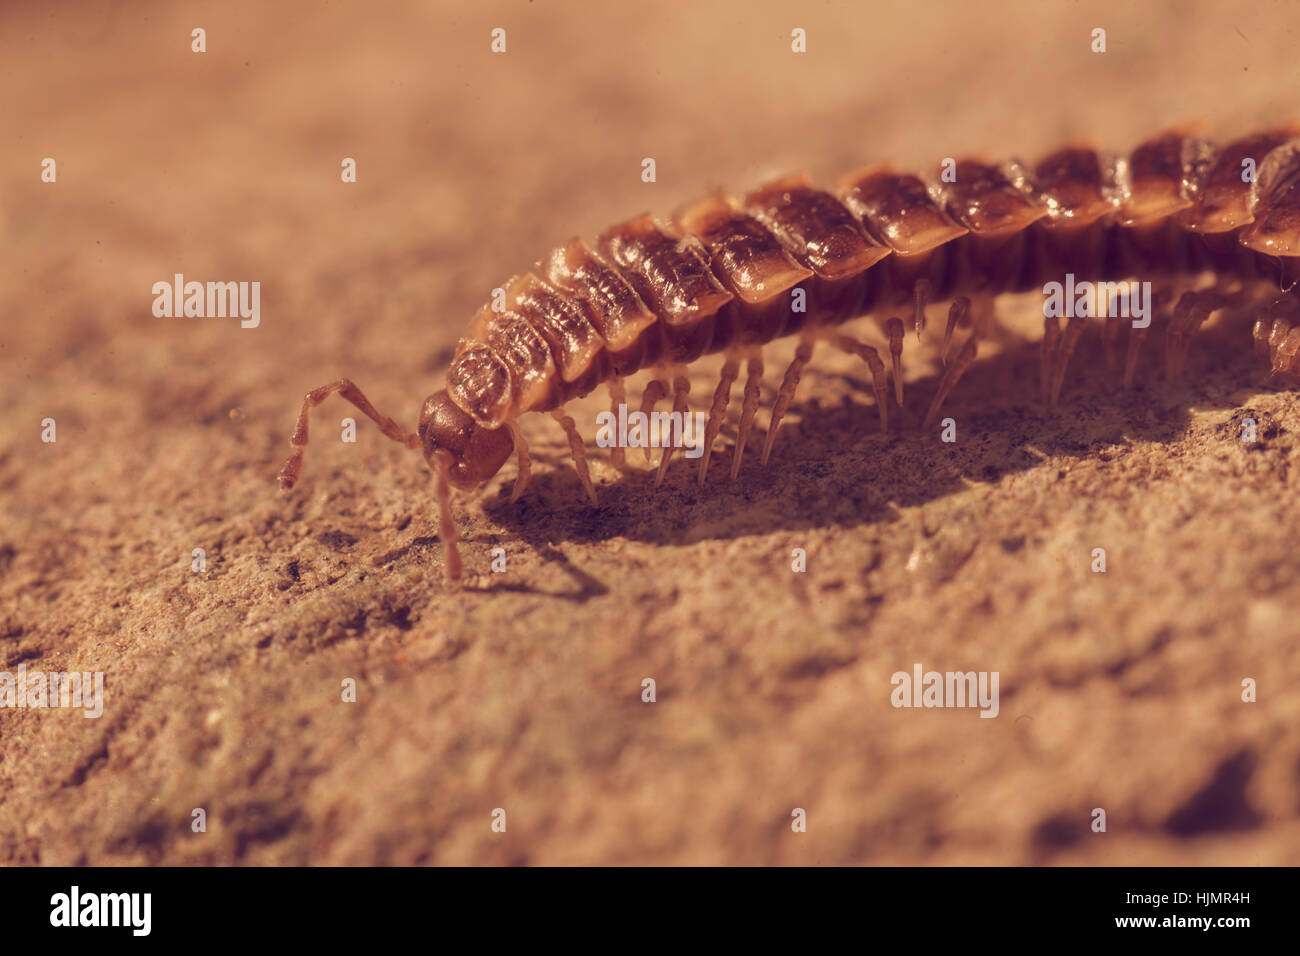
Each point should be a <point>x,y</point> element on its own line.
<point>729,275</point>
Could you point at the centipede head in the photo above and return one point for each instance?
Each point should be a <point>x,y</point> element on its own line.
<point>452,440</point>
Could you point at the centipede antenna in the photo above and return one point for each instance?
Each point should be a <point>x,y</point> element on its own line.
<point>345,389</point>
<point>446,523</point>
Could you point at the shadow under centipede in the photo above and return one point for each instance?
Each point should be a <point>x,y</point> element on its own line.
<point>587,586</point>
<point>832,467</point>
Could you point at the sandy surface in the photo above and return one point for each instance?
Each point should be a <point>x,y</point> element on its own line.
<point>522,691</point>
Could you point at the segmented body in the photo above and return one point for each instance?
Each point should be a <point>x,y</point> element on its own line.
<point>730,275</point>
<point>725,273</point>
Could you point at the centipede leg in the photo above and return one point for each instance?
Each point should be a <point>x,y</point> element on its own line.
<point>718,411</point>
<point>521,454</point>
<point>446,525</point>
<point>655,391</point>
<point>879,377</point>
<point>1073,331</point>
<point>1190,313</point>
<point>1110,339</point>
<point>1174,335</point>
<point>951,374</point>
<point>681,390</point>
<point>1279,310</point>
<point>578,449</point>
<point>1260,333</point>
<point>894,328</point>
<point>1272,331</point>
<point>1047,361</point>
<point>753,382</point>
<point>617,397</point>
<point>1136,338</point>
<point>1110,330</point>
<point>1277,337</point>
<point>346,389</point>
<point>802,355</point>
<point>958,311</point>
<point>1287,362</point>
<point>921,293</point>
<point>1283,348</point>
